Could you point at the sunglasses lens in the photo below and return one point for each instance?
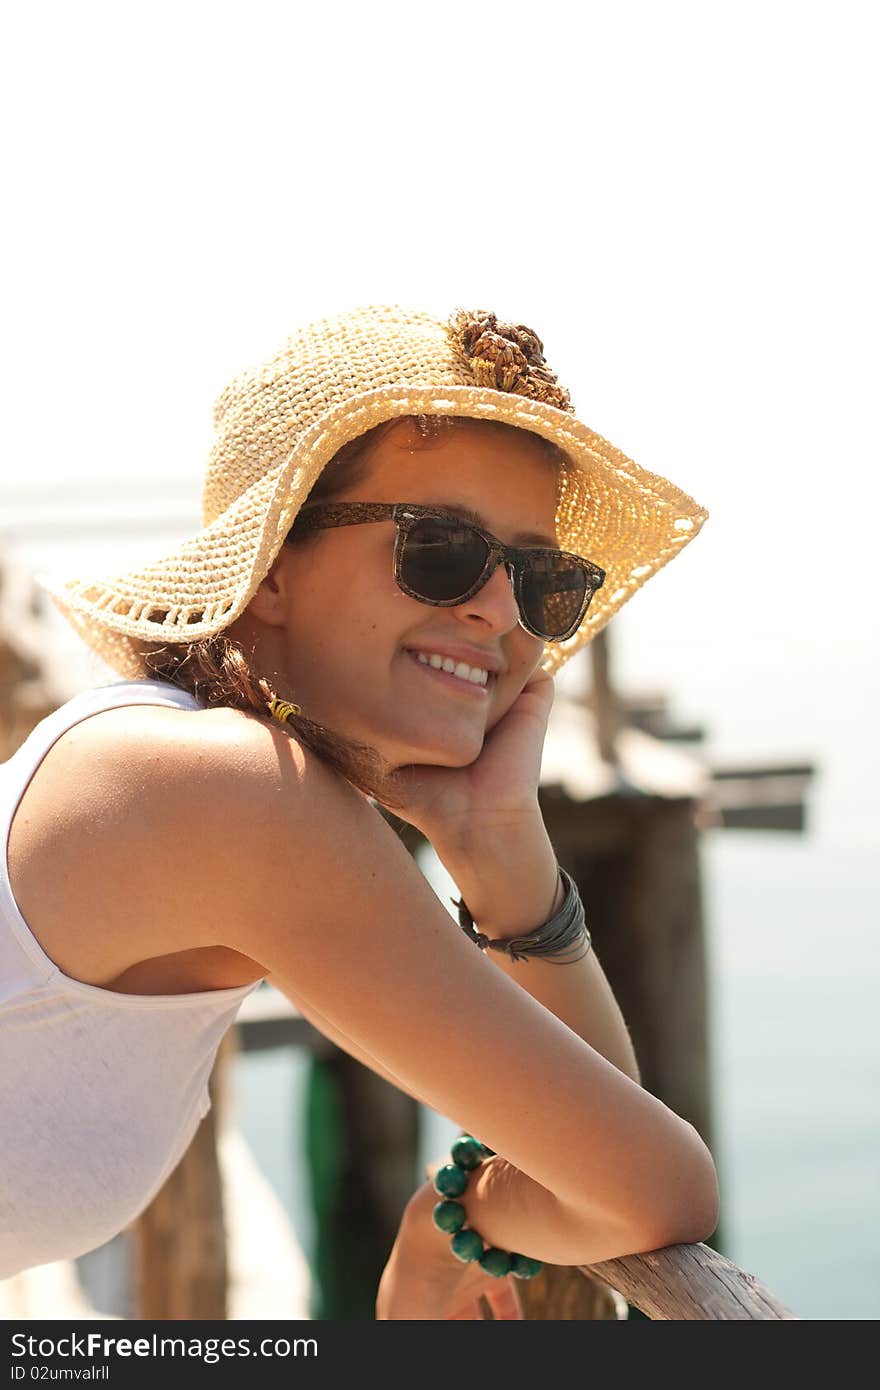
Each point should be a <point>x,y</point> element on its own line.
<point>553,591</point>
<point>442,559</point>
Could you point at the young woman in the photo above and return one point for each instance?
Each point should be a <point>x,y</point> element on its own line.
<point>406,533</point>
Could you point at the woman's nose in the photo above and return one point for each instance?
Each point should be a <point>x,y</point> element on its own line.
<point>494,603</point>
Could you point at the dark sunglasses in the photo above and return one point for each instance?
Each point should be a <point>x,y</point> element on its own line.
<point>441,559</point>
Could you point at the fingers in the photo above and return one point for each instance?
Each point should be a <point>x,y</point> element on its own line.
<point>505,1301</point>
<point>502,1298</point>
<point>539,678</point>
<point>469,1312</point>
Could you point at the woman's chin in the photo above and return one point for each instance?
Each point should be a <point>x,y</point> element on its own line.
<point>456,750</point>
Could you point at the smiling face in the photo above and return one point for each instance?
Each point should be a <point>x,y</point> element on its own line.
<point>330,620</point>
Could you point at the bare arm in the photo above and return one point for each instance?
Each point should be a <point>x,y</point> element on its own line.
<point>342,1040</point>
<point>507,876</point>
<point>320,890</point>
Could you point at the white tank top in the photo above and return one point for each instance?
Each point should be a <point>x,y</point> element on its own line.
<point>100,1092</point>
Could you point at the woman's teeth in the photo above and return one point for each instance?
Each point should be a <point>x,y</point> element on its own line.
<point>474,674</point>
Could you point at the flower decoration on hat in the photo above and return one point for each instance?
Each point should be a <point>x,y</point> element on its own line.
<point>505,356</point>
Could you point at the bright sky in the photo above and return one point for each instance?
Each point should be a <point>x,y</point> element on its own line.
<point>680,199</point>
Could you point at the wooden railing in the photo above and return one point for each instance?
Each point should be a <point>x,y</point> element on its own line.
<point>677,1283</point>
<point>690,1282</point>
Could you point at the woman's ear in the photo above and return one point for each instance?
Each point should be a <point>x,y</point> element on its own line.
<point>269,602</point>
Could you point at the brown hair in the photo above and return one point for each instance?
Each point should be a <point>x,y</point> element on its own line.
<point>217,671</point>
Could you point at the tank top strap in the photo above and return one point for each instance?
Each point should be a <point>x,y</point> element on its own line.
<point>18,769</point>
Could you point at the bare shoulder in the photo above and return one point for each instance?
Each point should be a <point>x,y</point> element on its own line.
<point>163,751</point>
<point>257,828</point>
<point>218,789</point>
<point>138,809</point>
<point>165,733</point>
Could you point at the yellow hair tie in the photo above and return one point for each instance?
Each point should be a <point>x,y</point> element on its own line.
<point>280,709</point>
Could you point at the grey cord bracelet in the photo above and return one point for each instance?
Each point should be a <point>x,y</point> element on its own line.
<point>552,941</point>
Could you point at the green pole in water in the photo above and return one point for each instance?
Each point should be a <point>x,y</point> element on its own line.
<point>350,1248</point>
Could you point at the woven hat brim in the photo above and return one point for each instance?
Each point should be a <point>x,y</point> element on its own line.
<point>624,518</point>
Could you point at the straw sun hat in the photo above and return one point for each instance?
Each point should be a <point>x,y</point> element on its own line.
<point>278,425</point>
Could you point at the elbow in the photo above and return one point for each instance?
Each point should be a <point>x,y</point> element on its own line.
<point>684,1210</point>
<point>700,1212</point>
<point>692,1208</point>
<point>700,1223</point>
<point>691,1226</point>
<point>712,1196</point>
<point>712,1211</point>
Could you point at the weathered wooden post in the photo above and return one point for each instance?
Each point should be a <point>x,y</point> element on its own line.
<point>562,1294</point>
<point>178,1244</point>
<point>26,687</point>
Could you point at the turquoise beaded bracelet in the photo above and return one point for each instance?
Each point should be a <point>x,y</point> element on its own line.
<point>449,1216</point>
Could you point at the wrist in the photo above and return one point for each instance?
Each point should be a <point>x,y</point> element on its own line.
<point>419,1230</point>
<point>463,1185</point>
<point>488,829</point>
<point>508,877</point>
